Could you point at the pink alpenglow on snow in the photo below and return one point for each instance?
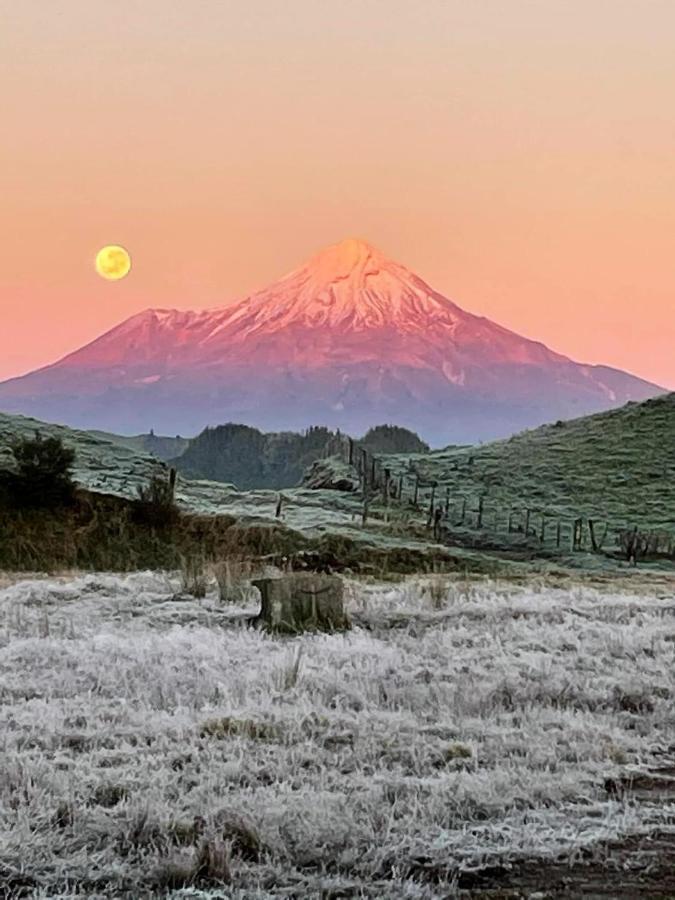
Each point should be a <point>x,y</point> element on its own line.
<point>350,339</point>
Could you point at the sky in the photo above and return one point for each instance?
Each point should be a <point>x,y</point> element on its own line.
<point>519,155</point>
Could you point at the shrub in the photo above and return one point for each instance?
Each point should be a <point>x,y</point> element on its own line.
<point>155,504</point>
<point>42,477</point>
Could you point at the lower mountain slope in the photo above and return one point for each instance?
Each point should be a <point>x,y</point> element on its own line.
<point>348,340</point>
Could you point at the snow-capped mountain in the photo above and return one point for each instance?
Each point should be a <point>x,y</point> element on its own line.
<point>350,339</point>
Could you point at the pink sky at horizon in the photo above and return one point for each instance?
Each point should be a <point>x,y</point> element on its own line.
<point>518,155</point>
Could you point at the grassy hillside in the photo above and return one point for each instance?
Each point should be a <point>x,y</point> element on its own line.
<point>617,467</point>
<point>101,464</point>
<point>99,531</point>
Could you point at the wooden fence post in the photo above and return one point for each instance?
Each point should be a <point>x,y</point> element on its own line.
<point>385,486</point>
<point>430,516</point>
<point>591,531</point>
<point>417,488</point>
<point>364,469</point>
<point>172,482</point>
<point>577,535</point>
<point>438,513</point>
<point>350,451</point>
<point>447,501</point>
<point>400,488</point>
<point>479,519</point>
<point>558,534</point>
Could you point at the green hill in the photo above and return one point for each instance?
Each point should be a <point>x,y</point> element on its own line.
<point>617,467</point>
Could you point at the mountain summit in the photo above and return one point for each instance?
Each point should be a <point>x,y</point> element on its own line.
<point>350,339</point>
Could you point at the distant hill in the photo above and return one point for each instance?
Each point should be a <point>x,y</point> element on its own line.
<point>161,446</point>
<point>617,466</point>
<point>101,464</point>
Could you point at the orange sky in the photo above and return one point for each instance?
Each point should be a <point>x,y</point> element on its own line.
<point>517,154</point>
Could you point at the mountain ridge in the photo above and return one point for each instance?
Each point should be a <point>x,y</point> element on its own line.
<point>348,339</point>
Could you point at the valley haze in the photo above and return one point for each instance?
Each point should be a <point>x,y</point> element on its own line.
<point>349,340</point>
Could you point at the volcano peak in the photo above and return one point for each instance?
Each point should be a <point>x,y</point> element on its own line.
<point>350,338</point>
<point>352,256</point>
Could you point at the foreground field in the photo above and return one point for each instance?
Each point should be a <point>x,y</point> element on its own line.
<point>464,735</point>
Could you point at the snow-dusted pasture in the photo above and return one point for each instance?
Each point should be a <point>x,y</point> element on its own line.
<point>459,725</point>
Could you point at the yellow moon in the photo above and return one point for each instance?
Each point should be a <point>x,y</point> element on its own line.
<point>113,262</point>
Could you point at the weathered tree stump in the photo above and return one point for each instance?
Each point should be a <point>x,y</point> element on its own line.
<point>302,601</point>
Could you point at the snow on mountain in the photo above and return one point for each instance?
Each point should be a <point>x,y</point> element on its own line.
<point>349,339</point>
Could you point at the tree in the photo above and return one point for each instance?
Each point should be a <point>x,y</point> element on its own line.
<point>42,476</point>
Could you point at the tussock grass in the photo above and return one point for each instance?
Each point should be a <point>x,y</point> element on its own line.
<point>233,577</point>
<point>194,578</point>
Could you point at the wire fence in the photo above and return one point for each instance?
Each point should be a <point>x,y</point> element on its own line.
<point>452,515</point>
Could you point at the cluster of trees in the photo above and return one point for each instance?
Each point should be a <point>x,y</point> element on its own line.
<point>393,439</point>
<point>251,459</point>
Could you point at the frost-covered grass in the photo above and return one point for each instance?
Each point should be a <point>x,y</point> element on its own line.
<point>458,725</point>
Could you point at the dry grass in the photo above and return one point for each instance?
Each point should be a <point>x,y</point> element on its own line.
<point>233,577</point>
<point>151,746</point>
<point>194,578</point>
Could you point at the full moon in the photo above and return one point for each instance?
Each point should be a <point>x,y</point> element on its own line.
<point>113,262</point>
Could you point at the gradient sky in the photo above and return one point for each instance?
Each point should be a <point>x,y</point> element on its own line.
<point>519,155</point>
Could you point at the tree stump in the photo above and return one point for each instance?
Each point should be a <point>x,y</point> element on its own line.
<point>302,601</point>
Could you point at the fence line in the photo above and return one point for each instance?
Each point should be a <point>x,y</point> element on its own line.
<point>579,534</point>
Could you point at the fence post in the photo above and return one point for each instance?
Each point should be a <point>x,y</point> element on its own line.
<point>438,513</point>
<point>591,531</point>
<point>527,522</point>
<point>479,520</point>
<point>385,486</point>
<point>400,488</point>
<point>577,535</point>
<point>172,482</point>
<point>350,452</point>
<point>417,488</point>
<point>430,517</point>
<point>447,501</point>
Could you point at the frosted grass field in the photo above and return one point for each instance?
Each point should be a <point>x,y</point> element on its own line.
<point>459,725</point>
